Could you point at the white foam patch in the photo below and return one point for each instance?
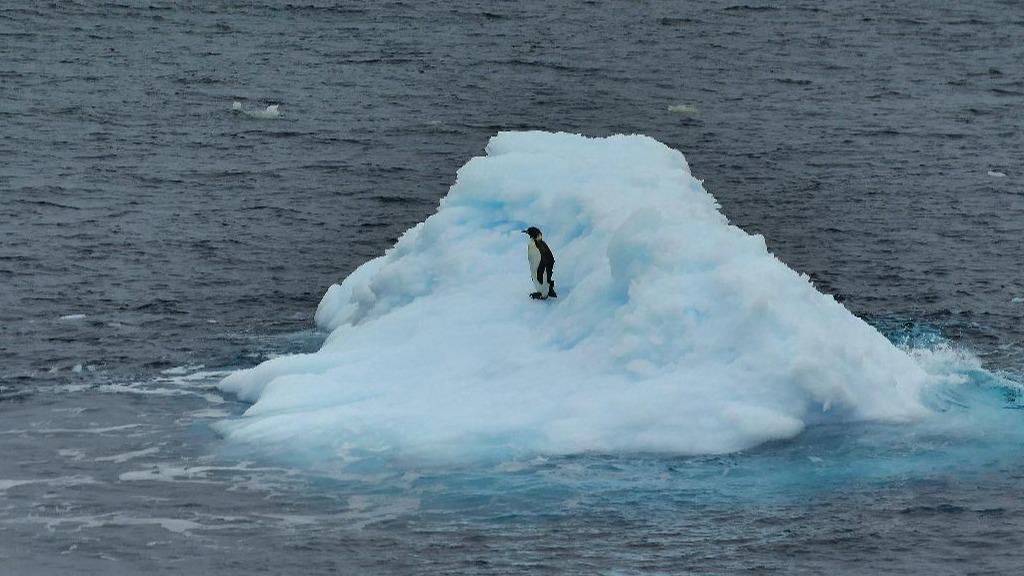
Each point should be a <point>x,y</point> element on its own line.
<point>73,411</point>
<point>206,379</point>
<point>674,331</point>
<point>70,388</point>
<point>63,481</point>
<point>210,413</point>
<point>295,520</point>
<point>163,472</point>
<point>143,390</point>
<point>8,484</point>
<point>72,453</point>
<point>97,430</point>
<point>122,458</point>
<point>175,525</point>
<point>366,510</point>
<point>182,370</point>
<point>168,473</point>
<point>996,174</point>
<point>179,381</point>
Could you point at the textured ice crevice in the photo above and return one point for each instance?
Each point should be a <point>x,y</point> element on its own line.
<point>674,331</point>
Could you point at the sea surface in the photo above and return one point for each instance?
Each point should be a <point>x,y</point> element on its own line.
<point>152,239</point>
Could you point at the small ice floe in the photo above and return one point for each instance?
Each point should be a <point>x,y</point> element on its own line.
<point>1017,300</point>
<point>683,109</point>
<point>69,317</point>
<point>996,174</point>
<point>268,113</point>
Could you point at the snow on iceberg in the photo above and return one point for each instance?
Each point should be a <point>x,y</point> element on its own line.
<point>673,331</point>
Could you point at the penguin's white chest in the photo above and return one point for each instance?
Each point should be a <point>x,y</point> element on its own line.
<point>533,253</point>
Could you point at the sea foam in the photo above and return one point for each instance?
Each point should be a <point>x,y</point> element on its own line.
<point>674,331</point>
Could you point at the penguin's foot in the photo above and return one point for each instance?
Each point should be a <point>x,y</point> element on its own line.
<point>537,296</point>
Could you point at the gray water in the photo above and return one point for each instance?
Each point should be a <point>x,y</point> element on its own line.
<point>858,137</point>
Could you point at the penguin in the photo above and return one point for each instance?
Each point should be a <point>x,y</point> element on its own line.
<point>542,265</point>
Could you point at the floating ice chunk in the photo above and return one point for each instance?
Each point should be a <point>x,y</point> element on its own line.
<point>996,174</point>
<point>1017,300</point>
<point>674,330</point>
<point>684,109</point>
<point>73,317</point>
<point>270,112</point>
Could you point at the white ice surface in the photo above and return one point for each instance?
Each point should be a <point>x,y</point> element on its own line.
<point>674,331</point>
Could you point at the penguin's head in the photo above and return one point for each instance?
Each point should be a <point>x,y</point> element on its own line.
<point>533,231</point>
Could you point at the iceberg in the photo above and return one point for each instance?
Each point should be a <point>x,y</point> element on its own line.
<point>674,331</point>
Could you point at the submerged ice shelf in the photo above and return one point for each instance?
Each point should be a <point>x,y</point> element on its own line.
<point>674,331</point>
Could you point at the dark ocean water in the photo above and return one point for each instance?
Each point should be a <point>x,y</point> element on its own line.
<point>876,146</point>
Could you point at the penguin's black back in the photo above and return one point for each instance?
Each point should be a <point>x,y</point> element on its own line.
<point>546,257</point>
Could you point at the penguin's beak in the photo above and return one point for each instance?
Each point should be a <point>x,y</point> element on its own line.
<point>523,231</point>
